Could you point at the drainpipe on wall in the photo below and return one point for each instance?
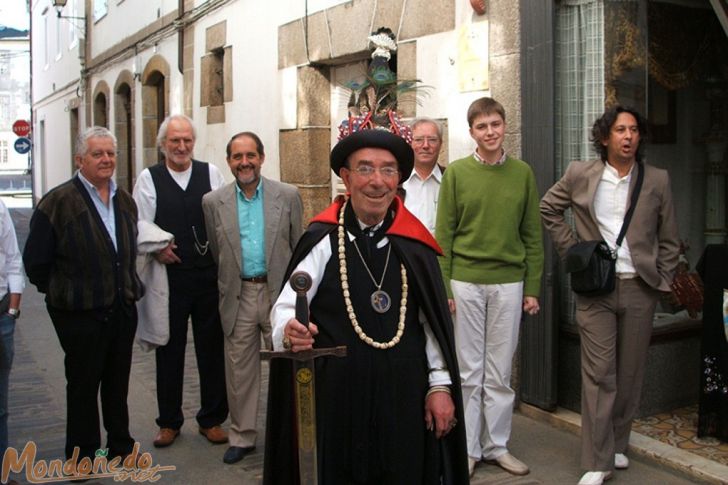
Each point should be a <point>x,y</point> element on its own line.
<point>180,37</point>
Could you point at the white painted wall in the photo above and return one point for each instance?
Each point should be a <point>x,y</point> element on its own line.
<point>125,17</point>
<point>55,84</point>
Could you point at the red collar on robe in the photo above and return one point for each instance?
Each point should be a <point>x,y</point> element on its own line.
<point>405,224</point>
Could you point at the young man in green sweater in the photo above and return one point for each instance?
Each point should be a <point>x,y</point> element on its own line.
<point>489,228</point>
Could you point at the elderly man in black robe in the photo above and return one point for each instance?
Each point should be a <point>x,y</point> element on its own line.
<point>390,412</point>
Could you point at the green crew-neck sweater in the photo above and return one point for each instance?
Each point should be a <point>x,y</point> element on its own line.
<point>488,224</point>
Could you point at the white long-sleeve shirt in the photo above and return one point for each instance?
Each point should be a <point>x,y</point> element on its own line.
<point>12,279</point>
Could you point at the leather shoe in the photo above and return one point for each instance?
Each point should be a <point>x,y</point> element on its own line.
<point>595,478</point>
<point>165,437</point>
<point>511,464</point>
<point>621,461</point>
<point>236,453</point>
<point>215,435</point>
<point>471,466</point>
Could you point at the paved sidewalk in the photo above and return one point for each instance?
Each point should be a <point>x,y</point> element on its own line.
<point>37,412</point>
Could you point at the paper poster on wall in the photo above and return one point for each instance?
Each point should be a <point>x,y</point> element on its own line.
<point>472,63</point>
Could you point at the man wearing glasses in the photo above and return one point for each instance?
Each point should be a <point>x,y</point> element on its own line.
<point>422,187</point>
<point>390,411</point>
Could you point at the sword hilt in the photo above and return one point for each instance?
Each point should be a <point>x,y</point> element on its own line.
<point>301,283</point>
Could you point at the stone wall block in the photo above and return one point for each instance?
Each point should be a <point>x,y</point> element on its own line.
<point>349,24</point>
<point>304,156</point>
<point>291,47</point>
<point>388,14</point>
<point>505,28</point>
<point>315,200</point>
<point>319,45</point>
<point>313,97</point>
<point>425,17</point>
<point>505,82</point>
<point>215,36</point>
<point>407,69</point>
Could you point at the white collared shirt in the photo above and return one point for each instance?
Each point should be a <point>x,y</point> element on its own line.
<point>105,210</point>
<point>12,279</point>
<point>421,196</point>
<point>610,206</point>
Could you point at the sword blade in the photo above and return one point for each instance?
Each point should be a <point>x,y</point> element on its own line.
<point>305,395</point>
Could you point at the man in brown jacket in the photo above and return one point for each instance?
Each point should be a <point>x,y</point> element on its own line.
<point>615,329</point>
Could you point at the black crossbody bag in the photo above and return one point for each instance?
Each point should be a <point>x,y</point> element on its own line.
<point>592,264</point>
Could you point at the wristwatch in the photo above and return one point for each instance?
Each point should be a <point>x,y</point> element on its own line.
<point>14,312</point>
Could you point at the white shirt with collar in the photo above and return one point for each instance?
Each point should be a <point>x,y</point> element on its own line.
<point>12,279</point>
<point>421,196</point>
<point>610,207</point>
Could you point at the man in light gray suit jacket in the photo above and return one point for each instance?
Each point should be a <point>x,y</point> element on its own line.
<point>615,329</point>
<point>253,224</point>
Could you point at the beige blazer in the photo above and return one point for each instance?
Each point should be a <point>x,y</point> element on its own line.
<point>652,235</point>
<point>282,214</point>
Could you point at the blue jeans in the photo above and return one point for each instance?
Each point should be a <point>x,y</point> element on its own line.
<point>7,349</point>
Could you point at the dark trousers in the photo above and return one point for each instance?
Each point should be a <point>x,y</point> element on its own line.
<point>98,346</point>
<point>192,293</point>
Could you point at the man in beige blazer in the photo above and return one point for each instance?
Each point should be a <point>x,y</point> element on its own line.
<point>615,329</point>
<point>253,225</point>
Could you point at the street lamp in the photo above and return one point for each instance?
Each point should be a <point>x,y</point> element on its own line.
<point>58,5</point>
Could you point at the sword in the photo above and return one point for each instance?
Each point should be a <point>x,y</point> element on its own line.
<point>304,384</point>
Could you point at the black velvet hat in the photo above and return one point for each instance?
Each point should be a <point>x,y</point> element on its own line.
<point>375,138</point>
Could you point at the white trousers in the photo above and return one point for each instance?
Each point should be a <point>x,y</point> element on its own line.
<point>487,320</point>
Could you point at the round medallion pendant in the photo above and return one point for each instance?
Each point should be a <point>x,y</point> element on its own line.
<point>381,301</point>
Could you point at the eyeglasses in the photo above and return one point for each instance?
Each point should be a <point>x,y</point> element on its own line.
<point>420,140</point>
<point>367,171</point>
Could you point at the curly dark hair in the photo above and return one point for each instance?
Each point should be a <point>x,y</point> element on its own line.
<point>603,125</point>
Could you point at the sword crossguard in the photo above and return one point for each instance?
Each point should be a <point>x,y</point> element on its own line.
<point>304,355</point>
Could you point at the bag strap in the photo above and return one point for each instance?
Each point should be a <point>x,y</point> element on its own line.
<point>632,204</point>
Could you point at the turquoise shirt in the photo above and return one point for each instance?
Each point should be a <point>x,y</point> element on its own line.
<point>106,212</point>
<point>252,232</point>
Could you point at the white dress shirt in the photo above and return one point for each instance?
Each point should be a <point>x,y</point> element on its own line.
<point>314,264</point>
<point>610,207</point>
<point>145,194</point>
<point>12,279</point>
<point>421,196</point>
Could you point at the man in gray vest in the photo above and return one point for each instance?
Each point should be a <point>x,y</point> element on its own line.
<point>169,195</point>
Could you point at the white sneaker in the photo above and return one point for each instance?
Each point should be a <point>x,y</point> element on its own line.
<point>595,478</point>
<point>621,461</point>
<point>471,466</point>
<point>511,464</point>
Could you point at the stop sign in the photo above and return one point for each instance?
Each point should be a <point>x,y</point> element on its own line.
<point>21,128</point>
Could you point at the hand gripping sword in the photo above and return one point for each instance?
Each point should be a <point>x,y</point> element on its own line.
<point>304,384</point>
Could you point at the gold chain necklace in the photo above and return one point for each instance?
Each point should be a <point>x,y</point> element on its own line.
<point>347,300</point>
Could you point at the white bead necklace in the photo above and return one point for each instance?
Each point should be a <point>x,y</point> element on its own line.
<point>347,300</point>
